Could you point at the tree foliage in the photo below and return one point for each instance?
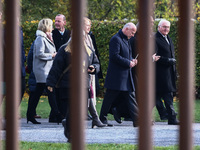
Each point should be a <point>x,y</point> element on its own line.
<point>112,9</point>
<point>37,9</point>
<point>101,9</point>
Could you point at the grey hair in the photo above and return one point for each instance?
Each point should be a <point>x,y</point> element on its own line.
<point>129,25</point>
<point>64,18</point>
<point>163,20</point>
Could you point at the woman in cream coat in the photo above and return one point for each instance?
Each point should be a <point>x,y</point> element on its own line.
<point>43,54</point>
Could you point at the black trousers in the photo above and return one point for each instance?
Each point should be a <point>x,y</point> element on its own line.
<point>168,100</point>
<point>111,96</point>
<point>36,97</point>
<point>161,108</point>
<point>121,108</point>
<point>23,86</point>
<point>62,100</point>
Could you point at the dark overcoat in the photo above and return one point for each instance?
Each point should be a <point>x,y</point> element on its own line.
<point>31,79</point>
<point>165,72</point>
<point>119,76</point>
<point>62,61</point>
<point>59,39</point>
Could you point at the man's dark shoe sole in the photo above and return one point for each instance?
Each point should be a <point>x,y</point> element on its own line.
<point>66,132</point>
<point>116,116</point>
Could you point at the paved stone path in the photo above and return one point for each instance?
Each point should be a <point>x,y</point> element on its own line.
<point>163,134</point>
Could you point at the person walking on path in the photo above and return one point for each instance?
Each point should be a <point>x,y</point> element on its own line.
<point>60,36</point>
<point>119,78</point>
<point>166,74</point>
<point>43,54</point>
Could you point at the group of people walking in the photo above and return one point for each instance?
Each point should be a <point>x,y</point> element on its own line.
<point>52,73</point>
<point>51,67</point>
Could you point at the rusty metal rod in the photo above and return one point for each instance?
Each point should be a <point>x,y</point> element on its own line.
<point>186,72</point>
<point>13,74</point>
<point>1,71</point>
<point>145,75</point>
<point>78,99</point>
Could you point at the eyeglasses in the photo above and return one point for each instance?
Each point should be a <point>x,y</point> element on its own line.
<point>165,27</point>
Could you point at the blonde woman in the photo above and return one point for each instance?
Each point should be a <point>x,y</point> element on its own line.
<point>91,42</point>
<point>43,55</point>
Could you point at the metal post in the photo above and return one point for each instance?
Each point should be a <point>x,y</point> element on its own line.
<point>145,75</point>
<point>78,101</point>
<point>13,74</point>
<point>1,71</point>
<point>186,72</point>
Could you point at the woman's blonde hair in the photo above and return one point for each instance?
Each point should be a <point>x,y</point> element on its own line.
<point>87,20</point>
<point>45,25</point>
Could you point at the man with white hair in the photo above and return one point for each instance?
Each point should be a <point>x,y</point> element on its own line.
<point>119,78</point>
<point>165,70</point>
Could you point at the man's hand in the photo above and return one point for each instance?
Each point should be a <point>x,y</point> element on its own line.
<point>155,58</point>
<point>50,89</point>
<point>171,61</point>
<point>133,63</point>
<point>91,69</point>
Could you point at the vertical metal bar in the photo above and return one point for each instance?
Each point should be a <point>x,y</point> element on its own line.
<point>78,101</point>
<point>13,84</point>
<point>186,68</point>
<point>1,71</point>
<point>145,75</point>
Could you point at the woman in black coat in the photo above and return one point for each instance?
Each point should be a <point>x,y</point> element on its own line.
<point>61,65</point>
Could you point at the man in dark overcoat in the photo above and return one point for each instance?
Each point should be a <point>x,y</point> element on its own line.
<point>165,70</point>
<point>119,78</point>
<point>60,34</point>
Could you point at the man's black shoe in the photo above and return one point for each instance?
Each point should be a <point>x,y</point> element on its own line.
<point>127,119</point>
<point>164,117</point>
<point>135,124</point>
<point>66,130</point>
<point>107,124</point>
<point>116,115</point>
<point>175,122</point>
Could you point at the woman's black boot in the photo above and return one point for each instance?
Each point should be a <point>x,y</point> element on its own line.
<point>32,119</point>
<point>95,118</point>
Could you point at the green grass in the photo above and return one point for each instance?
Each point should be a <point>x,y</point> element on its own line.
<point>43,108</point>
<point>66,146</point>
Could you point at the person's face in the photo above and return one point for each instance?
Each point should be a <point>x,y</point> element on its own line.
<point>130,32</point>
<point>164,28</point>
<point>51,28</point>
<point>87,27</point>
<point>59,23</point>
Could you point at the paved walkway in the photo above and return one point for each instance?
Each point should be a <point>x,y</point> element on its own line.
<point>163,134</point>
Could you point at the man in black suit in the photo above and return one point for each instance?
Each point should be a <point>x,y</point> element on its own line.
<point>119,78</point>
<point>165,70</point>
<point>120,110</point>
<point>60,34</point>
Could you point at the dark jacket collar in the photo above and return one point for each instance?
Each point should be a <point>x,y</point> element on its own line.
<point>122,34</point>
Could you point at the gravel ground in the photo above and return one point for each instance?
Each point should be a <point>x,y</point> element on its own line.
<point>163,134</point>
